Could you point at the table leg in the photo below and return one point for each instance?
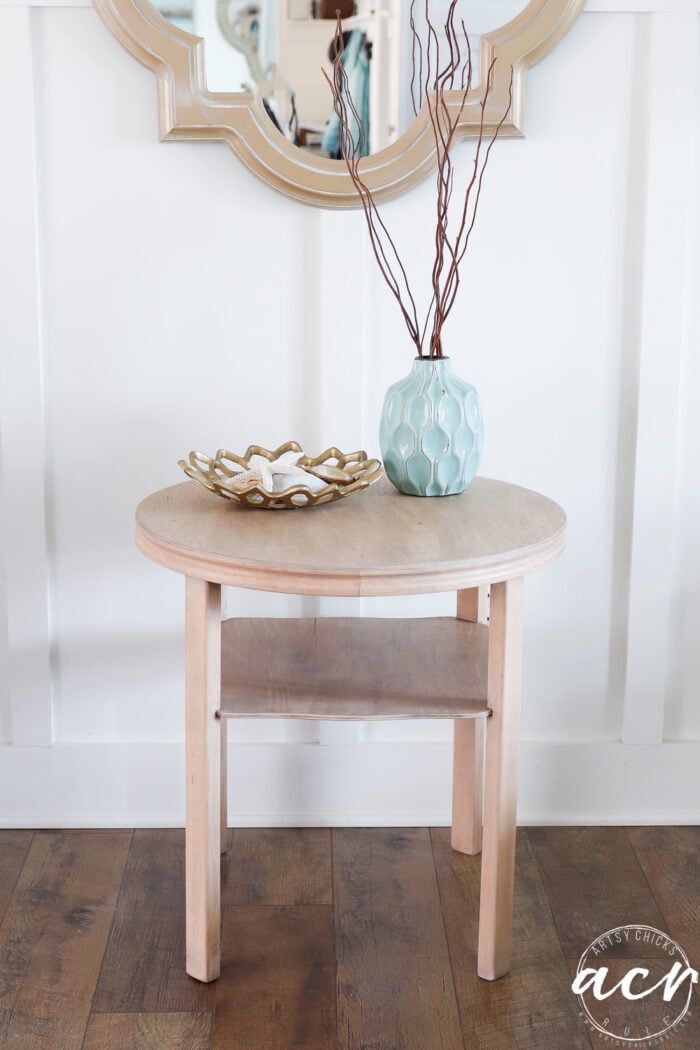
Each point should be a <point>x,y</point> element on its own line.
<point>223,823</point>
<point>469,741</point>
<point>501,788</point>
<point>203,772</point>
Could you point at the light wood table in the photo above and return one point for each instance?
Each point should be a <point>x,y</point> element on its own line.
<point>467,668</point>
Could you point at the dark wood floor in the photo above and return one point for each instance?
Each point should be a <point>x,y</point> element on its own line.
<point>352,939</point>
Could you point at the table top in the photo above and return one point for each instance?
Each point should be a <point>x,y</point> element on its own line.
<point>375,542</point>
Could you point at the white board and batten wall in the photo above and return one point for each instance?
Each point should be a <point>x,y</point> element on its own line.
<point>157,298</point>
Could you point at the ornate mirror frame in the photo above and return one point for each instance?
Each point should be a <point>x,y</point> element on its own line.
<point>186,110</point>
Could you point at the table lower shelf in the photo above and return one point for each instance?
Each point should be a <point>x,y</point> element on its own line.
<point>353,668</point>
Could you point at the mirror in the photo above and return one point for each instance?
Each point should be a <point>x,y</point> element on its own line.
<point>277,49</point>
<point>250,72</point>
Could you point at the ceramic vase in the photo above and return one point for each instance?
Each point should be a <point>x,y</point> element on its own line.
<point>431,433</point>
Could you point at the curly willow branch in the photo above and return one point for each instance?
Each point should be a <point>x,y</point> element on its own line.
<point>432,87</point>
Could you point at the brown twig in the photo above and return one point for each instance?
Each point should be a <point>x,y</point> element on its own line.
<point>416,45</point>
<point>380,238</point>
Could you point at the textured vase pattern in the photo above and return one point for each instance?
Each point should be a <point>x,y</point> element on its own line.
<point>431,433</point>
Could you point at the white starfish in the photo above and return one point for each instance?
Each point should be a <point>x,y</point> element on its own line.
<point>285,465</point>
<point>263,472</point>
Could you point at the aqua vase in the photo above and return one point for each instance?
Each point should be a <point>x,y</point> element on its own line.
<point>431,432</point>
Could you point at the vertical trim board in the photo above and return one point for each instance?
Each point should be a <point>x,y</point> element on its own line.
<point>632,269</point>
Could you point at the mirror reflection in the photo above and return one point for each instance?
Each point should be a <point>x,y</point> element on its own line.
<point>276,49</point>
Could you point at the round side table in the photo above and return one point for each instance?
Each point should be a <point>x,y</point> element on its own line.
<point>480,544</point>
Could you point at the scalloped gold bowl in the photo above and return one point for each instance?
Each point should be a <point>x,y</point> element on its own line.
<point>342,474</point>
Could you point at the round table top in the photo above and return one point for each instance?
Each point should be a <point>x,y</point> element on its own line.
<point>375,542</point>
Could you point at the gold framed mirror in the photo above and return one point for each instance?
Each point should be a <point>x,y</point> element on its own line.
<point>189,109</point>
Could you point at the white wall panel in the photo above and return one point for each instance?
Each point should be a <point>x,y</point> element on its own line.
<point>185,305</point>
<point>552,377</point>
<point>173,323</point>
<point>25,523</point>
<point>683,697</point>
<point>672,79</point>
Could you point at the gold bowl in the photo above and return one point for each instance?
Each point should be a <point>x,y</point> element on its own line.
<point>336,474</point>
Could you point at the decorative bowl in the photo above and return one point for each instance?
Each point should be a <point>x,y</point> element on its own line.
<point>330,476</point>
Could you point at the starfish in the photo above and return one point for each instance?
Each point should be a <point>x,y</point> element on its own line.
<point>263,471</point>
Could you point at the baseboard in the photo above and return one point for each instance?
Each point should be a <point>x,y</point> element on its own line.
<point>373,784</point>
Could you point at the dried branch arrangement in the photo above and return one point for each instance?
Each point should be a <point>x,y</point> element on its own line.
<point>441,81</point>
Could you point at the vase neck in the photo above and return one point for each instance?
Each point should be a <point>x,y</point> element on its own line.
<point>420,363</point>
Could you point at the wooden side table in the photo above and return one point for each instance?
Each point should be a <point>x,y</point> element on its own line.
<point>374,543</point>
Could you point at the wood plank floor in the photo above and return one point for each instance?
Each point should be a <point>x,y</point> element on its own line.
<point>350,939</point>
